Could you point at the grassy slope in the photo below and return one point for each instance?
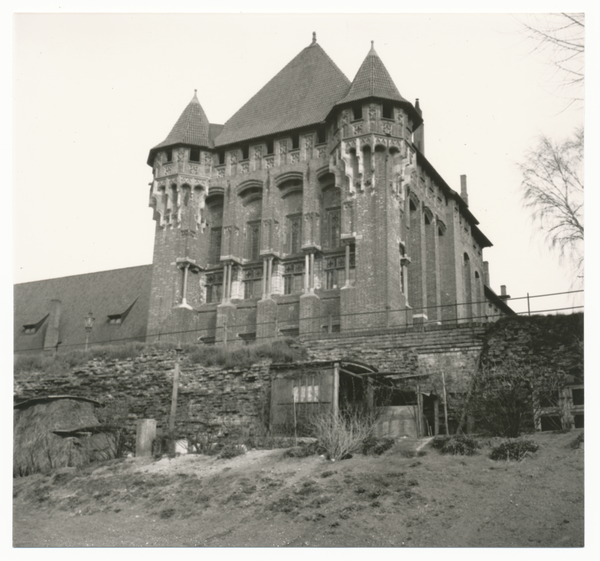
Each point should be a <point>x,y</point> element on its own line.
<point>263,499</point>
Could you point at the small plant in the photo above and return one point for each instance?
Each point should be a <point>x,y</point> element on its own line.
<point>303,451</point>
<point>577,442</point>
<point>232,451</point>
<point>513,449</point>
<point>439,441</point>
<point>376,446</point>
<point>459,445</point>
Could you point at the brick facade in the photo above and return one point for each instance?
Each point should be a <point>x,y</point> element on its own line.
<point>334,224</point>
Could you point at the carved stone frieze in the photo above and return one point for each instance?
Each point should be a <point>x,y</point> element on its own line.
<point>308,144</point>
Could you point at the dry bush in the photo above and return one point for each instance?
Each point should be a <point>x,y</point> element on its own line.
<point>341,434</point>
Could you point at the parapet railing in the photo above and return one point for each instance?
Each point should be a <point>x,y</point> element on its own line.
<point>464,315</point>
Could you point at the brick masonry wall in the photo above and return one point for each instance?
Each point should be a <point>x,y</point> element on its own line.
<point>235,397</point>
<point>208,398</point>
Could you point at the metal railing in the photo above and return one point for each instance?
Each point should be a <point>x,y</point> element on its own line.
<point>405,320</point>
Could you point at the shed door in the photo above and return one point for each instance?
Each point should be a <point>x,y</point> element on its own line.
<point>295,399</point>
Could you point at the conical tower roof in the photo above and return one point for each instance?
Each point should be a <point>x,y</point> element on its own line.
<point>373,80</point>
<point>301,94</point>
<point>192,128</point>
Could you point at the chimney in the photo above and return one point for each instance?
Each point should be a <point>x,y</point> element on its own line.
<point>486,273</point>
<point>419,134</point>
<point>503,295</point>
<point>51,340</point>
<point>463,189</point>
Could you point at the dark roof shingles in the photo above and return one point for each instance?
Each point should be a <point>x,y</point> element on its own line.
<point>301,94</point>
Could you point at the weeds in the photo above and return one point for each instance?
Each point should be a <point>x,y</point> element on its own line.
<point>232,451</point>
<point>458,445</point>
<point>243,357</point>
<point>513,449</point>
<point>577,442</point>
<point>376,446</point>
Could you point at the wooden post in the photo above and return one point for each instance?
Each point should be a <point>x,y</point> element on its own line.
<point>445,402</point>
<point>419,412</point>
<point>336,389</point>
<point>174,400</point>
<point>145,435</point>
<point>436,415</point>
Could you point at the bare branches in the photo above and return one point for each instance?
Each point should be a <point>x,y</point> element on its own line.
<point>553,192</point>
<point>561,38</point>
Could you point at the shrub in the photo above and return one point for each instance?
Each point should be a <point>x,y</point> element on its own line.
<point>303,451</point>
<point>507,397</point>
<point>459,445</point>
<point>439,441</point>
<point>513,449</point>
<point>340,435</point>
<point>231,451</point>
<point>377,446</point>
<point>577,442</point>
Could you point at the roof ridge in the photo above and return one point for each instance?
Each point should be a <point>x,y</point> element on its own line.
<point>301,94</point>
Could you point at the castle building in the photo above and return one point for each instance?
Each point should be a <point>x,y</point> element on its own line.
<point>312,210</point>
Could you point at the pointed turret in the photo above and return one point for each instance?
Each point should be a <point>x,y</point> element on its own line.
<point>374,81</point>
<point>192,129</point>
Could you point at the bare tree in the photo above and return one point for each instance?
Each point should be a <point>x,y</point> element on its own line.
<point>560,37</point>
<point>553,191</point>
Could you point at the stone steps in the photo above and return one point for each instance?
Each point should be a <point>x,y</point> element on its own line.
<point>428,341</point>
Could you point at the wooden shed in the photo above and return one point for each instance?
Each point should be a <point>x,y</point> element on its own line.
<point>301,390</point>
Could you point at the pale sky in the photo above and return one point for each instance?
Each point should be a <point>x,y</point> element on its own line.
<point>93,93</point>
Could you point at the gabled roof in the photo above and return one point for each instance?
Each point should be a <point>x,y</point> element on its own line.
<point>374,81</point>
<point>192,128</point>
<point>105,293</point>
<point>301,94</point>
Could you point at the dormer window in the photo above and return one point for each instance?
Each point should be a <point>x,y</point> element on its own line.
<point>32,328</point>
<point>194,154</point>
<point>357,112</point>
<point>118,319</point>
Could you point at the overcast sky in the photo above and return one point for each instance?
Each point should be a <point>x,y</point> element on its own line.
<point>94,92</point>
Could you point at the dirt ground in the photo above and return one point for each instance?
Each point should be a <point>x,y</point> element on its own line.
<point>402,498</point>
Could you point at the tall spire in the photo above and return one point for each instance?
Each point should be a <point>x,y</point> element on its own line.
<point>372,80</point>
<point>191,128</point>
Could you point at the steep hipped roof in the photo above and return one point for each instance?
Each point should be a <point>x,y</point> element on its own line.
<point>374,81</point>
<point>191,128</point>
<point>300,95</point>
<point>104,293</point>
